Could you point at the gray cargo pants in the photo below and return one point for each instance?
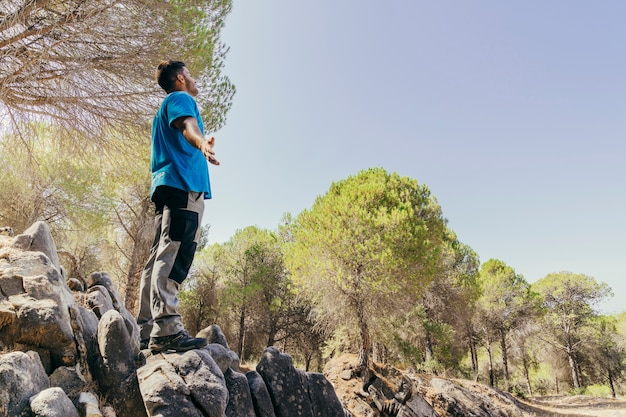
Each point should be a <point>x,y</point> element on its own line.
<point>177,230</point>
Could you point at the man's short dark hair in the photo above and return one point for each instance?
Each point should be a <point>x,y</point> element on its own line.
<point>166,74</point>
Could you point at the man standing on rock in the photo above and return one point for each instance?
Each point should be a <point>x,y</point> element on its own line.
<point>180,184</point>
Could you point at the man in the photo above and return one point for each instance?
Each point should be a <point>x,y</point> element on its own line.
<point>180,184</point>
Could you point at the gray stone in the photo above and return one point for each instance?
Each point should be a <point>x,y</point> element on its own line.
<point>21,376</point>
<point>7,314</point>
<point>417,406</point>
<point>214,334</point>
<point>69,380</point>
<point>75,285</point>
<point>260,396</point>
<point>37,238</point>
<point>235,362</point>
<point>99,300</point>
<point>103,279</point>
<point>10,284</point>
<point>38,318</point>
<point>183,384</point>
<point>87,405</point>
<point>52,402</point>
<point>239,398</point>
<point>116,372</point>
<point>102,296</point>
<point>324,400</point>
<point>285,384</point>
<point>220,355</point>
<point>108,411</point>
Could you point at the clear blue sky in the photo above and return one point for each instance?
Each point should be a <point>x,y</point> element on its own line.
<point>512,113</point>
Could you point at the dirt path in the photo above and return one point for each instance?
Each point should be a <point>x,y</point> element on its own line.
<point>574,406</point>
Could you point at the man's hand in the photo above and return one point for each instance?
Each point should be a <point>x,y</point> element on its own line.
<point>191,132</point>
<point>207,150</point>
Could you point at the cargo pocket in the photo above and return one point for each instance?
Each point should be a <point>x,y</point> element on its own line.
<point>183,227</point>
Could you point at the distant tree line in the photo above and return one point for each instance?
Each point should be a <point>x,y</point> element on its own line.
<point>373,269</point>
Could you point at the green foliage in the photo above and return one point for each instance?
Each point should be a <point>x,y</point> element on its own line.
<point>103,80</point>
<point>597,390</point>
<point>568,301</point>
<point>373,240</point>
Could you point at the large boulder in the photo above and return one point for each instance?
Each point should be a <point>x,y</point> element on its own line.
<point>285,384</point>
<point>260,395</point>
<point>324,401</point>
<point>36,313</point>
<point>52,402</point>
<point>105,285</point>
<point>189,384</point>
<point>239,401</point>
<point>37,238</point>
<point>116,372</point>
<point>213,334</point>
<point>21,376</point>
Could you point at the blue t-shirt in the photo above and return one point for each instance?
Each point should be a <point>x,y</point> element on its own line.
<point>175,162</point>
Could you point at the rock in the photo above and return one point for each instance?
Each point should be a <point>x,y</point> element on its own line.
<point>220,355</point>
<point>108,412</point>
<point>87,405</point>
<point>99,300</point>
<point>116,373</point>
<point>11,284</point>
<point>52,402</point>
<point>189,384</point>
<point>75,285</point>
<point>285,384</point>
<point>324,401</point>
<point>459,400</point>
<point>103,279</point>
<point>38,317</point>
<point>69,380</point>
<point>417,406</point>
<point>7,315</point>
<point>260,396</point>
<point>239,401</point>
<point>214,334</point>
<point>103,282</point>
<point>21,376</point>
<point>235,362</point>
<point>37,238</point>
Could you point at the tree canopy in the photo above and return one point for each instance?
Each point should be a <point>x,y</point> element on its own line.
<point>88,64</point>
<point>372,237</point>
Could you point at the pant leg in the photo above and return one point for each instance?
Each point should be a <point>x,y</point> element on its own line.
<point>144,317</point>
<point>180,231</point>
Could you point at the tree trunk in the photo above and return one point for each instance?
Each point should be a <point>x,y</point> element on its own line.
<point>474,354</point>
<point>611,384</point>
<point>142,235</point>
<point>366,343</point>
<point>429,345</point>
<point>527,375</point>
<point>491,375</point>
<point>242,331</point>
<point>505,358</point>
<point>556,385</point>
<point>573,367</point>
<point>271,333</point>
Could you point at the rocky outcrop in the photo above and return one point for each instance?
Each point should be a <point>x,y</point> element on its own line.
<point>391,392</point>
<point>73,350</point>
<point>189,384</point>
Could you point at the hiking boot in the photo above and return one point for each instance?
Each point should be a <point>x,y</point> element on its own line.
<point>180,342</point>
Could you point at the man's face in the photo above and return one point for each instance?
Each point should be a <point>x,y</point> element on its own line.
<point>190,83</point>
